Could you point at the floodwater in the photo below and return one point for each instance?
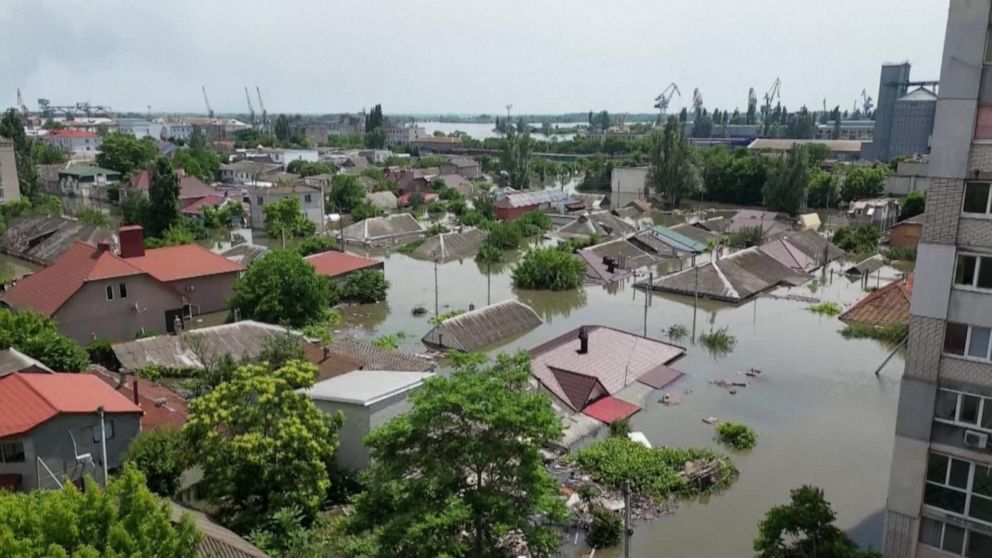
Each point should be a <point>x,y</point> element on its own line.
<point>484,130</point>
<point>822,416</point>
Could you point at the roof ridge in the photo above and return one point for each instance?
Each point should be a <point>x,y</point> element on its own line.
<point>18,376</point>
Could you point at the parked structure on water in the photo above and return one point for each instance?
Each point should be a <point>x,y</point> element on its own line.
<point>483,327</point>
<point>939,502</point>
<point>10,187</point>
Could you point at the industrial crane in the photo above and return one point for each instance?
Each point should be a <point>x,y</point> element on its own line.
<point>697,100</point>
<point>261,107</point>
<point>866,103</point>
<point>20,103</point>
<point>662,100</point>
<point>251,109</point>
<point>771,95</point>
<point>206,101</point>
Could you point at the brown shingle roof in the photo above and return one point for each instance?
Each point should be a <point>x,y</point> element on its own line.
<point>884,307</point>
<point>484,326</point>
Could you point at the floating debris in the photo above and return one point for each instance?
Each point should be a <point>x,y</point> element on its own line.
<point>711,420</point>
<point>672,398</point>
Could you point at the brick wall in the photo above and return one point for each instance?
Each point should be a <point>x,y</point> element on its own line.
<point>976,233</point>
<point>965,371</point>
<point>926,340</point>
<point>900,535</point>
<point>981,158</point>
<point>944,199</point>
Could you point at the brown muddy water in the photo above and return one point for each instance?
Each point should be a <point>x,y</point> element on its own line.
<point>822,416</point>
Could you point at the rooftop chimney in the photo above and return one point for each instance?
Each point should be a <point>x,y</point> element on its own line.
<point>132,241</point>
<point>583,341</point>
<point>134,388</point>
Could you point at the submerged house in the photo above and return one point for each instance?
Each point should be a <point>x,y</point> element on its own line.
<point>804,251</point>
<point>888,306</point>
<point>614,260</point>
<point>483,327</point>
<point>602,224</point>
<point>670,243</point>
<point>455,245</point>
<point>339,265</point>
<point>384,231</point>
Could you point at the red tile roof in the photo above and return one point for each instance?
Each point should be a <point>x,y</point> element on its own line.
<point>194,207</point>
<point>28,400</point>
<point>71,133</point>
<point>163,408</point>
<point>883,307</point>
<point>333,263</point>
<point>190,187</point>
<point>610,409</point>
<point>660,377</point>
<point>48,289</point>
<point>173,263</point>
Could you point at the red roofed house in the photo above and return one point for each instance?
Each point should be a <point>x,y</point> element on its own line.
<point>191,188</point>
<point>94,293</point>
<point>50,428</point>
<point>71,141</point>
<point>162,407</point>
<point>338,265</point>
<point>883,307</point>
<point>587,367</point>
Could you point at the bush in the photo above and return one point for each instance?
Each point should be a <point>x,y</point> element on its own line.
<point>391,341</point>
<point>826,308</point>
<point>39,338</point>
<point>316,244</point>
<point>438,320</point>
<point>101,353</point>
<point>158,454</point>
<point>365,286</point>
<point>859,240</point>
<point>620,428</point>
<point>912,205</point>
<point>504,235</point>
<point>606,529</point>
<point>889,334</point>
<point>904,253</point>
<point>548,269</point>
<point>719,342</point>
<point>736,435</point>
<point>677,332</point>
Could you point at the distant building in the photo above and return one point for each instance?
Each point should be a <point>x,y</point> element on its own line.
<point>140,128</point>
<point>628,184</point>
<point>10,189</point>
<point>462,166</point>
<point>912,123</point>
<point>513,205</point>
<point>892,85</point>
<point>346,125</point>
<point>438,144</point>
<point>912,175</point>
<point>842,150</point>
<point>176,130</point>
<point>907,233</point>
<point>849,129</point>
<point>880,213</point>
<point>86,181</point>
<point>73,142</point>
<point>403,134</point>
<point>314,132</point>
<point>248,172</point>
<point>310,197</point>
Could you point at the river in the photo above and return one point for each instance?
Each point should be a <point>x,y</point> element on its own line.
<point>481,131</point>
<point>822,416</point>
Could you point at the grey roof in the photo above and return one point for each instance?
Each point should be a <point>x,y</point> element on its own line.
<point>251,167</point>
<point>919,94</point>
<point>625,253</point>
<point>382,200</point>
<point>484,326</point>
<point>12,360</point>
<point>371,357</point>
<point>384,229</point>
<point>452,245</point>
<point>240,339</point>
<point>42,239</point>
<point>733,278</point>
<point>803,251</point>
<point>218,541</point>
<point>602,223</point>
<point>462,162</point>
<point>533,197</point>
<point>867,265</point>
<point>698,234</point>
<point>245,253</point>
<point>366,387</point>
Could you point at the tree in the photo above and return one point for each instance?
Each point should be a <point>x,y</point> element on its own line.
<point>282,288</point>
<point>176,235</point>
<point>163,199</point>
<point>804,527</point>
<point>702,126</point>
<point>12,127</point>
<point>786,187</point>
<point>285,217</point>
<point>514,160</point>
<point>126,519</point>
<point>281,128</point>
<point>835,116</point>
<point>863,182</point>
<point>347,193</point>
<point>364,210</point>
<point>912,205</point>
<point>134,207</point>
<point>269,455</point>
<point>201,163</point>
<point>606,529</point>
<point>548,269</point>
<point>38,337</point>
<point>158,454</point>
<point>375,133</point>
<point>673,172</point>
<point>824,190</point>
<point>126,154</point>
<point>308,168</point>
<point>462,468</point>
<point>196,139</point>
<point>801,125</point>
<point>365,286</point>
<point>45,154</point>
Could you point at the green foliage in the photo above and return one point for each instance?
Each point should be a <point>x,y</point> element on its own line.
<point>286,217</point>
<point>736,435</point>
<point>390,341</point>
<point>286,535</point>
<point>199,162</point>
<point>824,190</point>
<point>307,168</point>
<point>786,186</point>
<point>45,154</point>
<point>92,216</point>
<point>439,319</point>
<point>735,177</point>
<point>163,199</point>
<point>548,269</point>
<point>315,245</point>
<point>514,160</point>
<point>673,174</point>
<point>655,472</point>
<point>606,529</point>
<point>100,352</point>
<point>532,223</point>
<point>39,338</point>
<point>221,215</point>
<point>861,182</point>
<point>282,288</point>
<point>347,193</point>
<point>176,235</point>
<point>12,127</point>
<point>270,455</point>
<point>826,308</point>
<point>158,454</point>
<point>620,428</point>
<point>126,519</point>
<point>462,468</point>
<point>677,332</point>
<point>504,235</point>
<point>429,161</point>
<point>419,310</point>
<point>364,210</point>
<point>126,154</point>
<point>436,229</point>
<point>718,342</point>
<point>254,138</point>
<point>365,286</point>
<point>915,203</point>
<point>410,247</point>
<point>904,253</point>
<point>859,240</point>
<point>436,209</point>
<point>804,527</point>
<point>889,334</point>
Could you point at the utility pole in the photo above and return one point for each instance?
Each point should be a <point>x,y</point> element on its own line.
<point>436,291</point>
<point>695,298</point>
<point>627,530</point>
<point>647,298</point>
<point>103,446</point>
<point>489,282</point>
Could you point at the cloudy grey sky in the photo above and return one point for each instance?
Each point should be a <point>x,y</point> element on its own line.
<point>457,56</point>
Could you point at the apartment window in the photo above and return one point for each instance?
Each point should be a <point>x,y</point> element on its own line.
<point>307,199</point>
<point>110,292</point>
<point>959,487</point>
<point>11,452</point>
<point>122,290</point>
<point>976,197</point>
<point>973,271</point>
<point>954,539</point>
<point>109,425</point>
<point>965,340</point>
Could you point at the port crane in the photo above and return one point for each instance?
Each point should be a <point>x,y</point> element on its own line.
<point>206,101</point>
<point>665,97</point>
<point>775,92</point>
<point>261,107</point>
<point>866,102</point>
<point>251,109</point>
<point>697,100</point>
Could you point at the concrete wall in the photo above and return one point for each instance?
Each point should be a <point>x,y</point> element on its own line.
<point>51,442</point>
<point>10,189</point>
<point>88,315</point>
<point>912,124</point>
<point>352,454</point>
<point>627,184</point>
<point>210,293</point>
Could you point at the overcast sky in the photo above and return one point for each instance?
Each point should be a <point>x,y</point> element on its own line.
<point>457,56</point>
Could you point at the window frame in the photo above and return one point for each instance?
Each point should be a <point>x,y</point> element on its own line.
<point>973,285</point>
<point>3,452</point>
<point>111,434</point>
<point>967,344</point>
<point>966,542</point>
<point>988,199</point>
<point>968,491</point>
<point>984,407</point>
<point>109,293</point>
<point>122,290</point>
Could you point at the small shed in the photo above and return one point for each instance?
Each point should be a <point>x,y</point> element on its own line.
<point>907,233</point>
<point>367,399</point>
<point>483,327</point>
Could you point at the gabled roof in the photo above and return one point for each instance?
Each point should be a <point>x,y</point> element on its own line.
<point>629,257</point>
<point>333,263</point>
<point>383,229</point>
<point>195,207</point>
<point>676,239</point>
<point>615,359</point>
<point>28,400</point>
<point>803,251</point>
<point>884,307</point>
<point>87,170</point>
<point>12,360</point>
<point>604,224</point>
<point>70,133</point>
<point>163,408</point>
<point>532,197</point>
<point>451,245</point>
<point>186,261</point>
<point>610,409</point>
<point>483,327</point>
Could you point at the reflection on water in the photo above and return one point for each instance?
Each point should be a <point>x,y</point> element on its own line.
<point>550,305</point>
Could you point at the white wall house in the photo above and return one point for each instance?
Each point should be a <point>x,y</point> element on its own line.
<point>311,201</point>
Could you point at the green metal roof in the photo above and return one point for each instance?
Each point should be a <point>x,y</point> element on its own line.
<point>88,170</point>
<point>677,239</point>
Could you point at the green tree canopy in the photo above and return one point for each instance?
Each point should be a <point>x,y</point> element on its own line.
<point>199,162</point>
<point>126,519</point>
<point>786,187</point>
<point>861,182</point>
<point>548,269</point>
<point>307,168</point>
<point>514,160</point>
<point>39,337</point>
<point>804,527</point>
<point>824,190</point>
<point>673,173</point>
<point>12,127</point>
<point>125,153</point>
<point>282,288</point>
<point>912,205</point>
<point>163,199</point>
<point>347,193</point>
<point>267,455</point>
<point>365,286</point>
<point>462,468</point>
<point>286,217</point>
<point>158,454</point>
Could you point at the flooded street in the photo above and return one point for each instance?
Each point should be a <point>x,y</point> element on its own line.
<point>823,418</point>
